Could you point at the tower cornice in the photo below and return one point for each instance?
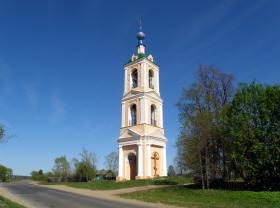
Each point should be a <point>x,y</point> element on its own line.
<point>143,94</point>
<point>140,60</point>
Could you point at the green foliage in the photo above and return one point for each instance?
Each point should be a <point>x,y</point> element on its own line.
<point>85,172</point>
<point>5,173</point>
<point>40,172</point>
<point>36,176</point>
<point>40,175</point>
<point>85,169</point>
<point>187,197</point>
<point>61,167</point>
<point>6,203</point>
<point>253,121</point>
<point>223,136</point>
<point>171,171</point>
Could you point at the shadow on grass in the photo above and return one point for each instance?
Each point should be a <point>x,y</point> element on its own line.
<point>230,186</point>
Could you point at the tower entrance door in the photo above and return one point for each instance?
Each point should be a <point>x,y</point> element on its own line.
<point>132,165</point>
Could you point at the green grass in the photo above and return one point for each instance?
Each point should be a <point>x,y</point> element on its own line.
<point>5,203</point>
<point>187,197</point>
<point>111,185</point>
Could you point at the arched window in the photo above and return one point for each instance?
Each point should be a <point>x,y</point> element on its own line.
<point>151,79</point>
<point>153,115</point>
<point>134,78</point>
<point>133,114</point>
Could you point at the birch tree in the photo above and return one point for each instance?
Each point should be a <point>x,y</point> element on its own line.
<point>201,107</point>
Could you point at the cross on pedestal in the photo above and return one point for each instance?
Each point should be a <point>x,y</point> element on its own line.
<point>155,158</point>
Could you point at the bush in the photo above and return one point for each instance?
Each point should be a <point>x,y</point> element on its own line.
<point>254,126</point>
<point>40,176</point>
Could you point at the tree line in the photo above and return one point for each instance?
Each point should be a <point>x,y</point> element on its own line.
<point>229,133</point>
<point>81,169</point>
<point>6,174</point>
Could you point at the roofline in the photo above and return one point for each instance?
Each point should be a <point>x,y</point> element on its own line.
<point>138,60</point>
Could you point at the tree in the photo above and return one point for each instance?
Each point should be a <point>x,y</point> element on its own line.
<point>5,173</point>
<point>61,167</point>
<point>2,133</point>
<point>39,176</point>
<point>171,171</point>
<point>253,122</point>
<point>34,175</point>
<point>111,162</point>
<point>40,172</point>
<point>180,163</point>
<point>202,108</point>
<point>85,169</point>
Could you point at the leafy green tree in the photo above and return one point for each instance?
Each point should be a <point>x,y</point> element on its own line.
<point>5,173</point>
<point>171,171</point>
<point>39,176</point>
<point>253,122</point>
<point>85,168</point>
<point>34,175</point>
<point>61,167</point>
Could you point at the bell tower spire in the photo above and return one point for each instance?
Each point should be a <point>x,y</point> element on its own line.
<point>140,37</point>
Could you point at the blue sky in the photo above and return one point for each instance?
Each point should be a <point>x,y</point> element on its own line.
<point>61,66</point>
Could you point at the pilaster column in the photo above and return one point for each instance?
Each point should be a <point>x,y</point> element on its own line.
<point>142,111</point>
<point>160,116</point>
<point>128,117</point>
<point>157,82</point>
<point>123,114</point>
<point>140,160</point>
<point>149,160</point>
<point>143,74</point>
<point>164,161</point>
<point>125,81</point>
<point>120,161</point>
<point>146,111</point>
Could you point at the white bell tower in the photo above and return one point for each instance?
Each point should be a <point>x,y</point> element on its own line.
<point>142,144</point>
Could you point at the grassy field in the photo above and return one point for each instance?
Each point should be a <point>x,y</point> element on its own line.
<point>111,185</point>
<point>5,203</point>
<point>187,197</point>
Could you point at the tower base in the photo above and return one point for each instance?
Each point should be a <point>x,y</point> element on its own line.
<point>120,179</point>
<point>141,157</point>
